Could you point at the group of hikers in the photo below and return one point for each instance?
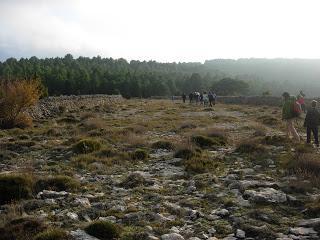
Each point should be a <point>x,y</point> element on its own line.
<point>292,108</point>
<point>204,98</point>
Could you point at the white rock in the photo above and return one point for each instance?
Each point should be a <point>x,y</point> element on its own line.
<point>212,231</point>
<point>309,222</point>
<point>81,235</point>
<point>174,230</point>
<point>221,212</point>
<point>302,231</point>
<point>73,216</point>
<point>172,236</point>
<point>269,195</point>
<point>240,234</point>
<point>84,202</point>
<point>112,219</point>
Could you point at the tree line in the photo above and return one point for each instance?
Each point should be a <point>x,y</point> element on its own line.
<point>83,75</point>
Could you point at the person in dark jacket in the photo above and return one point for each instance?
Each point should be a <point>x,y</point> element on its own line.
<point>312,122</point>
<point>184,97</point>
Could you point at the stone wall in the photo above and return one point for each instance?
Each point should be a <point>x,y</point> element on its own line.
<point>49,107</point>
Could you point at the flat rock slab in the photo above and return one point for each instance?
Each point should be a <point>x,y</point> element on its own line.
<point>309,222</point>
<point>266,195</point>
<point>172,236</point>
<point>302,231</point>
<point>81,235</point>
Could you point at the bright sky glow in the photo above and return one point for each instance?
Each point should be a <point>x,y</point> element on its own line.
<point>162,30</point>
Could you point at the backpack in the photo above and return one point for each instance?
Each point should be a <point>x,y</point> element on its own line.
<point>297,110</point>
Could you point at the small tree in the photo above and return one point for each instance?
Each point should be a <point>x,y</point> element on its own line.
<point>16,97</point>
<point>229,86</point>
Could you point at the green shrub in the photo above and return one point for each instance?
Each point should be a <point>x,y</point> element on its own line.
<point>134,180</point>
<point>57,183</point>
<point>87,146</point>
<point>163,145</point>
<point>199,164</point>
<point>185,153</point>
<point>202,141</point>
<point>53,234</point>
<point>139,154</point>
<point>275,140</point>
<point>306,165</point>
<point>206,142</point>
<point>21,229</point>
<point>103,230</point>
<point>250,147</point>
<point>313,209</point>
<point>15,187</point>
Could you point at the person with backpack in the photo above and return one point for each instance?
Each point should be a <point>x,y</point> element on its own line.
<point>190,97</point>
<point>300,98</point>
<point>311,122</point>
<point>291,109</point>
<point>184,97</point>
<point>205,99</point>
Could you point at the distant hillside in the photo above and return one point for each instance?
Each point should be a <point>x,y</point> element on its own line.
<point>276,75</point>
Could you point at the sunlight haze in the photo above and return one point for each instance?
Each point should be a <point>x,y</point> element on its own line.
<point>163,30</point>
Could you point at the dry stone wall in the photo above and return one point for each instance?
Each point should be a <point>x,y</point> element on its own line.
<point>49,107</point>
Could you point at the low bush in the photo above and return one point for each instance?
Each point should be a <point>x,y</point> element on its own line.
<point>313,209</point>
<point>306,165</point>
<point>21,229</point>
<point>15,187</point>
<point>134,180</point>
<point>57,183</point>
<point>250,147</point>
<point>103,230</point>
<point>53,234</point>
<point>16,97</point>
<point>139,154</point>
<point>163,145</point>
<point>275,140</point>
<point>87,146</point>
<point>202,141</point>
<point>199,164</point>
<point>186,153</point>
<point>213,140</point>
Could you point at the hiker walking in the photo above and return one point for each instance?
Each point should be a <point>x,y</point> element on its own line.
<point>212,99</point>
<point>190,97</point>
<point>201,98</point>
<point>311,122</point>
<point>290,111</point>
<point>184,97</point>
<point>205,99</point>
<point>300,98</point>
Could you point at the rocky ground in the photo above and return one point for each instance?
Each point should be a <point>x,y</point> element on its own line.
<point>163,170</point>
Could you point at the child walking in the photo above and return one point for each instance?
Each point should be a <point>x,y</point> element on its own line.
<point>312,122</point>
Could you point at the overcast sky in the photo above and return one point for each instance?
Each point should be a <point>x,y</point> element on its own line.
<point>162,30</point>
